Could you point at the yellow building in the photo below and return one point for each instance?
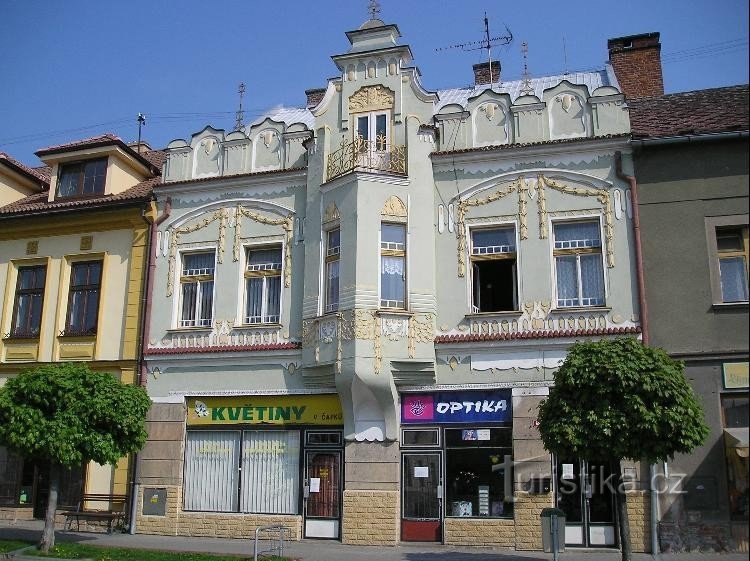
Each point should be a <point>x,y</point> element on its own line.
<point>74,240</point>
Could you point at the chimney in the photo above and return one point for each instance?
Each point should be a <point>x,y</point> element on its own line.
<point>314,96</point>
<point>482,73</point>
<point>636,60</point>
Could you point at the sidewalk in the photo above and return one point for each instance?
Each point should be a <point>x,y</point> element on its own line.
<point>319,550</point>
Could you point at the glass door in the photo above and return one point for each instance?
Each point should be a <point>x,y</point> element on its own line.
<point>372,138</point>
<point>586,493</point>
<point>322,494</point>
<point>422,488</point>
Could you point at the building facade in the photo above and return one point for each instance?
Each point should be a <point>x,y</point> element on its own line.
<point>73,249</point>
<point>358,305</point>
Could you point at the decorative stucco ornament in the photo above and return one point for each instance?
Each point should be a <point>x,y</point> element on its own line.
<point>394,208</point>
<point>371,98</point>
<point>331,213</point>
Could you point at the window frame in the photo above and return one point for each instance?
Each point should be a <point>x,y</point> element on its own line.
<point>86,288</point>
<point>262,273</point>
<point>200,280</point>
<point>37,291</point>
<point>578,252</point>
<point>712,223</point>
<point>475,258</point>
<point>392,252</point>
<point>329,258</point>
<point>67,167</point>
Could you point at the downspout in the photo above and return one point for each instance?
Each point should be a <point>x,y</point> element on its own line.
<point>148,281</point>
<point>654,519</point>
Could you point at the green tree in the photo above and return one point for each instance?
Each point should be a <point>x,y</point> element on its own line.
<point>618,399</point>
<point>67,415</point>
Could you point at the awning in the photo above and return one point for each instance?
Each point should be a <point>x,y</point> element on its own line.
<point>737,439</point>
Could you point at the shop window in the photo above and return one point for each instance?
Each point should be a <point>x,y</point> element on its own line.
<point>82,178</point>
<point>735,411</point>
<point>323,438</point>
<point>263,465</point>
<point>27,310</point>
<point>732,249</point>
<point>197,284</point>
<point>392,265</point>
<point>332,269</point>
<point>83,298</point>
<point>11,466</point>
<point>478,472</point>
<point>263,285</point>
<point>493,268</point>
<point>578,264</point>
<point>420,437</point>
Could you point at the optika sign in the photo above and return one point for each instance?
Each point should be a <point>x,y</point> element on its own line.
<point>457,407</point>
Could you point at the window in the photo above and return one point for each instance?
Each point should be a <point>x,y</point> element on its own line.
<point>732,249</point>
<point>264,465</point>
<point>263,285</point>
<point>27,310</point>
<point>392,265</point>
<point>493,267</point>
<point>83,299</point>
<point>197,282</point>
<point>82,178</point>
<point>333,260</point>
<point>372,131</point>
<point>478,472</point>
<point>735,410</point>
<point>578,264</point>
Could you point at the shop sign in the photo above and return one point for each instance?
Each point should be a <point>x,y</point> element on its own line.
<point>265,410</point>
<point>736,375</point>
<point>457,407</point>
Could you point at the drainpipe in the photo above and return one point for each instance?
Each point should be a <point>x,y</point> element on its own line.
<point>145,331</point>
<point>644,329</point>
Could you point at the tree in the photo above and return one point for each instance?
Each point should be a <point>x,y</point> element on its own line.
<point>68,415</point>
<point>617,399</point>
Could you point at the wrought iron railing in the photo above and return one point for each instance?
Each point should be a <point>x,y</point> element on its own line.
<point>366,155</point>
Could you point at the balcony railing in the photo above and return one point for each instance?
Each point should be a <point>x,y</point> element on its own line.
<point>366,155</point>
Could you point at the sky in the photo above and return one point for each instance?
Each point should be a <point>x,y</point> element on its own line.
<point>73,69</point>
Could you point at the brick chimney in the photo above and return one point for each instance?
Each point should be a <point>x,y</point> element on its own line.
<point>636,60</point>
<point>482,73</point>
<point>314,96</point>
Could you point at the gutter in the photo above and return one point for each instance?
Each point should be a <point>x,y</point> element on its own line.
<point>145,331</point>
<point>654,518</point>
<point>688,138</point>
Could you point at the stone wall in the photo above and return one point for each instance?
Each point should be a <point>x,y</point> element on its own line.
<point>177,522</point>
<point>528,522</point>
<point>371,518</point>
<point>498,532</point>
<point>639,516</point>
<point>16,513</point>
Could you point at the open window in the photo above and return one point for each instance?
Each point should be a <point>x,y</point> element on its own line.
<point>494,270</point>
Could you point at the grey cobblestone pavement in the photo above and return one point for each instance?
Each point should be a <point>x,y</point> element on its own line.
<point>317,550</point>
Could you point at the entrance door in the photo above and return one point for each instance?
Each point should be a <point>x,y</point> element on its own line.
<point>422,487</point>
<point>585,492</point>
<point>322,494</point>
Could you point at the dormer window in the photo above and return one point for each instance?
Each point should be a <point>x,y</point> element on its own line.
<point>82,179</point>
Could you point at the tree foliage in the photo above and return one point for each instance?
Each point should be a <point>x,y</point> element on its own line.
<point>617,399</point>
<point>67,414</point>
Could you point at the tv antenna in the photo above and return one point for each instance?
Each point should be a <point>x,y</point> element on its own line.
<point>485,44</point>
<point>239,124</point>
<point>141,121</point>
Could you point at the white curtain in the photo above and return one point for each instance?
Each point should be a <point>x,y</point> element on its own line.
<point>733,279</point>
<point>592,280</point>
<point>392,278</point>
<point>567,281</point>
<point>211,459</point>
<point>270,472</point>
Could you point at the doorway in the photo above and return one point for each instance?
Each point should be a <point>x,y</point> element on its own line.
<point>322,494</point>
<point>586,493</point>
<point>422,488</point>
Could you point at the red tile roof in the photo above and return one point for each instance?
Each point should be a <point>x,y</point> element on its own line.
<point>36,175</point>
<point>699,112</point>
<point>37,203</point>
<point>567,333</point>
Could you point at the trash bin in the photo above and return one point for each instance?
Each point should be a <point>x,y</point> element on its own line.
<point>553,530</point>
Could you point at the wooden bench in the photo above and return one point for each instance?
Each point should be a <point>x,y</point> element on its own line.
<point>98,506</point>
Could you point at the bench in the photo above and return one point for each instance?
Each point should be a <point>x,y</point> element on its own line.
<point>98,506</point>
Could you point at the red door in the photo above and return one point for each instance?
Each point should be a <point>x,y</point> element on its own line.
<point>421,484</point>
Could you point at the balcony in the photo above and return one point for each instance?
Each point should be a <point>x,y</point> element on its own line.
<point>366,155</point>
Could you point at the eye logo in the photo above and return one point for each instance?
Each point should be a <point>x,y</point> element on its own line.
<point>200,409</point>
<point>417,408</point>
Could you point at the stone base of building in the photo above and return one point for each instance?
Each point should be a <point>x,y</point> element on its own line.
<point>678,537</point>
<point>177,522</point>
<point>528,525</point>
<point>639,516</point>
<point>370,518</point>
<point>14,514</point>
<point>472,531</point>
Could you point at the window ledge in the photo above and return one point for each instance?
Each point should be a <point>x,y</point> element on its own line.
<point>480,315</point>
<point>21,338</point>
<point>393,312</point>
<point>190,329</point>
<point>581,309</point>
<point>729,305</point>
<point>79,336</point>
<point>257,326</point>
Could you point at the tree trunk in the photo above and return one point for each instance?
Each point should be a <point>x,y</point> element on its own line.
<point>48,534</point>
<point>622,511</point>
